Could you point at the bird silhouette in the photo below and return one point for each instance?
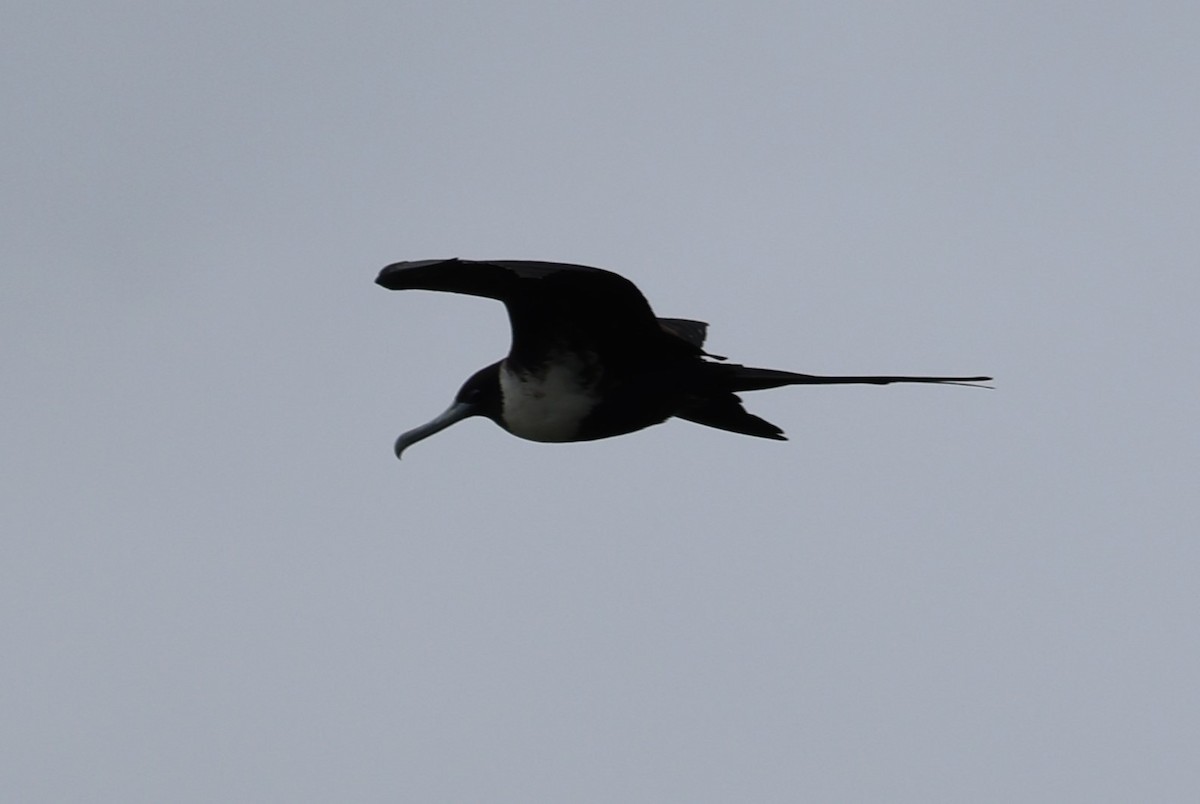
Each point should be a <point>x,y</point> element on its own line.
<point>589,359</point>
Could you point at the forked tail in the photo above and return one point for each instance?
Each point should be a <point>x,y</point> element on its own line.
<point>718,405</point>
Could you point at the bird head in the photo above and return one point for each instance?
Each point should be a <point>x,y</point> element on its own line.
<point>479,396</point>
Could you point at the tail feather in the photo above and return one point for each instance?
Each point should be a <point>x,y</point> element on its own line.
<point>746,378</point>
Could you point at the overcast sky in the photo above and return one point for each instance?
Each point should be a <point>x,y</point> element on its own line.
<point>218,584</point>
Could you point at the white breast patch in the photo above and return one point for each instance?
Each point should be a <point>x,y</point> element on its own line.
<point>549,407</point>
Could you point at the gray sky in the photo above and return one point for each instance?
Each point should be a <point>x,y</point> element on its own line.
<point>220,585</point>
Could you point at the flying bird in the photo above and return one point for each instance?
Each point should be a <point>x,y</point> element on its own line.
<point>590,360</point>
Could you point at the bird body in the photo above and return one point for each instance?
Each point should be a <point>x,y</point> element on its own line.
<point>550,404</point>
<point>590,360</point>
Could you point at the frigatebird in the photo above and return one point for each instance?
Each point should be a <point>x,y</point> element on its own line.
<point>590,360</point>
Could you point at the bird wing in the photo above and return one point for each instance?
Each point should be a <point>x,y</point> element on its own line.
<point>725,412</point>
<point>551,306</point>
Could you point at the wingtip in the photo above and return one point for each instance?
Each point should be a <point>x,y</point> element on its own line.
<point>390,270</point>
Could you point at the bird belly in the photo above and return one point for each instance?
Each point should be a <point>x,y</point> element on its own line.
<point>546,406</point>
